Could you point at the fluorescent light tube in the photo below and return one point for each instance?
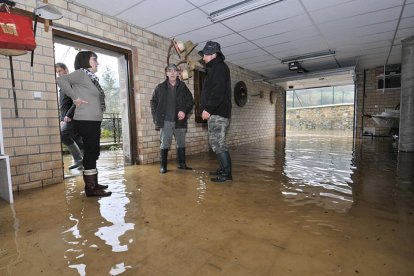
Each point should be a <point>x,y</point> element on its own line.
<point>326,73</point>
<point>309,56</point>
<point>239,8</point>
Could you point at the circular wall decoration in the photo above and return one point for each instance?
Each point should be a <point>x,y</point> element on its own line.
<point>273,97</point>
<point>240,93</point>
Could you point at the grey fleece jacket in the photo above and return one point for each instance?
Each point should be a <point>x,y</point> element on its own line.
<point>78,85</point>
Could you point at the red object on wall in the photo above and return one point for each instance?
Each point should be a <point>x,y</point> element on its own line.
<point>16,33</point>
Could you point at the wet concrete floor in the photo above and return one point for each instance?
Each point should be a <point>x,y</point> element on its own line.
<point>300,206</point>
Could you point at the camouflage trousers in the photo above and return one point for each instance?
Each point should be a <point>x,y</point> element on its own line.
<point>217,129</point>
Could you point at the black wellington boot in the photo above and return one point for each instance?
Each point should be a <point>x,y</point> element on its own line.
<point>181,159</point>
<point>163,159</point>
<point>90,186</point>
<point>225,162</point>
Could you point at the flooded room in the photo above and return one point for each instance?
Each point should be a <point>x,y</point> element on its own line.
<point>205,137</point>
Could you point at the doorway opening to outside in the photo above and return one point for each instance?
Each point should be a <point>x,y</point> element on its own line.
<point>114,73</point>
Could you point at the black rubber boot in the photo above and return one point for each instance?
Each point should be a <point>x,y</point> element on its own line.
<point>163,159</point>
<point>181,159</point>
<point>225,164</point>
<point>217,172</point>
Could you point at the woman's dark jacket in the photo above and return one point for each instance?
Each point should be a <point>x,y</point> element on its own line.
<point>183,102</point>
<point>216,93</point>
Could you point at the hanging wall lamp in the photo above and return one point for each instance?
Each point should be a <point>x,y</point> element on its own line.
<point>47,12</point>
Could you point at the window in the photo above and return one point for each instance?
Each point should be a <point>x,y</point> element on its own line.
<point>320,96</point>
<point>389,76</point>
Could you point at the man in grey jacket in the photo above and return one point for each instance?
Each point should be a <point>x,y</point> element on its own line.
<point>171,104</point>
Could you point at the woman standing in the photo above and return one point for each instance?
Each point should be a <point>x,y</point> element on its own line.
<point>82,86</point>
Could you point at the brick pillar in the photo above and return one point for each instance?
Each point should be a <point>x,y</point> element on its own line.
<point>406,131</point>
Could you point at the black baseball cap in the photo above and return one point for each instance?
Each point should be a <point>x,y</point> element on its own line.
<point>210,48</point>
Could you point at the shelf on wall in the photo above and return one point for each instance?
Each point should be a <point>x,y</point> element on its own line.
<point>6,191</point>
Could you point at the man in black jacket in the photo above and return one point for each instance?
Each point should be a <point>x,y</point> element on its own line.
<point>171,104</point>
<point>216,106</point>
<point>67,109</point>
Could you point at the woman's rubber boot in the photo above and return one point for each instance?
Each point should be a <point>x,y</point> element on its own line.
<point>163,158</point>
<point>99,186</point>
<point>91,189</point>
<point>225,162</point>
<point>181,159</point>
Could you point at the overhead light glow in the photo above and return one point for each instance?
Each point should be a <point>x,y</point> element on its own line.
<point>239,8</point>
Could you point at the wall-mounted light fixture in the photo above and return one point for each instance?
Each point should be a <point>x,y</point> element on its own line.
<point>315,55</point>
<point>239,8</point>
<point>47,12</point>
<point>260,94</point>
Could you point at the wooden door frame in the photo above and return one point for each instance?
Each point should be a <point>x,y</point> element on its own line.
<point>131,97</point>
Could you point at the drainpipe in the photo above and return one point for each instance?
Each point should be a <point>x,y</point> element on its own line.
<point>355,111</point>
<point>363,103</point>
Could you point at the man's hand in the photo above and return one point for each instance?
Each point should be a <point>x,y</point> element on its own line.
<point>67,119</point>
<point>181,115</point>
<point>205,115</point>
<point>79,101</point>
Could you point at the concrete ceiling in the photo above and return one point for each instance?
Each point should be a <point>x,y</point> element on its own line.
<point>363,33</point>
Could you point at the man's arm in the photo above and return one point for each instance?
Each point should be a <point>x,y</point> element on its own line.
<point>154,103</point>
<point>71,112</point>
<point>189,100</point>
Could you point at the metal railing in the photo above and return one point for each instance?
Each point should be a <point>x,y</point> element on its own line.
<point>111,128</point>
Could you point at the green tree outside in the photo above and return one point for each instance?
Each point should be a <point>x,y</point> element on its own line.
<point>111,87</point>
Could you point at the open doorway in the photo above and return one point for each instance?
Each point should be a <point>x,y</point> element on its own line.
<point>114,76</point>
<point>320,111</point>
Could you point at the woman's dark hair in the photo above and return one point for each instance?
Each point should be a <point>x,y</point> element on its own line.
<point>61,65</point>
<point>82,59</point>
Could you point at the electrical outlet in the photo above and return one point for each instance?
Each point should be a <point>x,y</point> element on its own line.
<point>37,95</point>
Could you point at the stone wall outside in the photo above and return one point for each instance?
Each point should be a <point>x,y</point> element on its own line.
<point>333,118</point>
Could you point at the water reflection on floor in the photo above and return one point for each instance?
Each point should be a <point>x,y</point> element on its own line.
<point>300,206</point>
<point>318,172</point>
